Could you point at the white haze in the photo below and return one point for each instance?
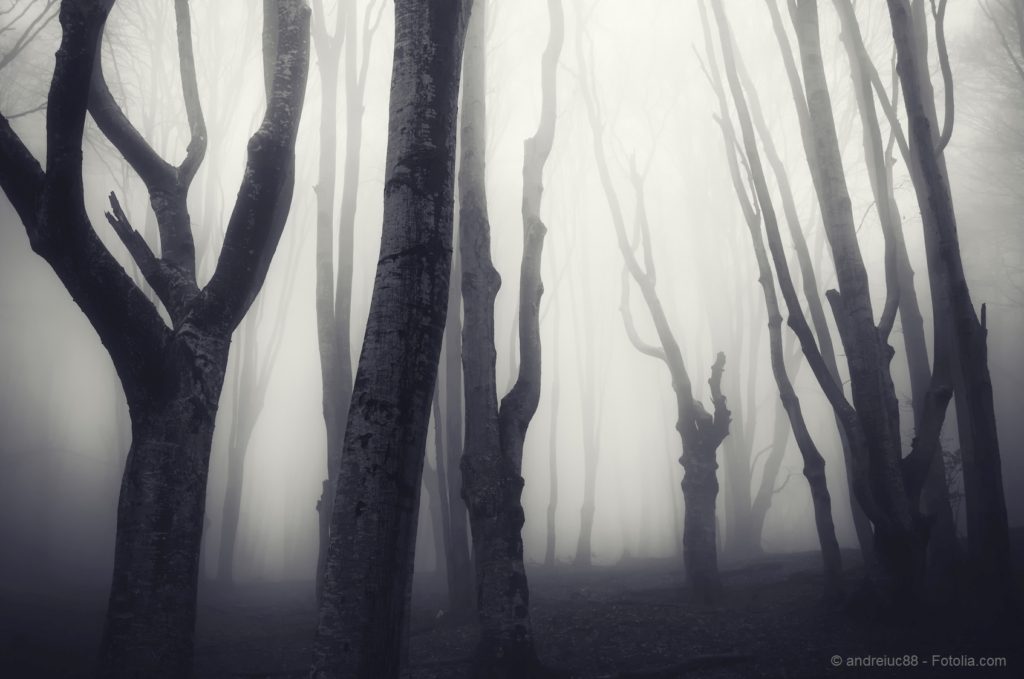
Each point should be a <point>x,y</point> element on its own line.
<point>62,414</point>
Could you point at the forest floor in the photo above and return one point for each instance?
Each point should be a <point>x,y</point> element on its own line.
<point>632,620</point>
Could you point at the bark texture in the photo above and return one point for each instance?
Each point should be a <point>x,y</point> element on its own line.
<point>334,284</point>
<point>172,376</point>
<point>373,522</point>
<point>492,462</point>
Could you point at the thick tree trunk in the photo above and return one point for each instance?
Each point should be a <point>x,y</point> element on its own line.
<point>988,533</point>
<point>373,530</point>
<point>172,376</point>
<point>151,614</point>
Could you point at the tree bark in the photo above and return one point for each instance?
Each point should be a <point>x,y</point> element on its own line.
<point>172,376</point>
<point>492,463</point>
<point>988,533</point>
<point>373,529</point>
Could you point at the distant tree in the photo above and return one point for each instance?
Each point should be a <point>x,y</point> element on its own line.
<point>492,461</point>
<point>253,366</point>
<point>701,432</point>
<point>172,376</point>
<point>814,463</point>
<point>368,579</point>
<point>334,284</point>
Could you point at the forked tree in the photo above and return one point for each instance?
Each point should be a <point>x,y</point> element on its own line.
<point>172,375</point>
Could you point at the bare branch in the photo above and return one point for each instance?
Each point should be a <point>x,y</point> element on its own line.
<point>190,89</point>
<point>939,14</point>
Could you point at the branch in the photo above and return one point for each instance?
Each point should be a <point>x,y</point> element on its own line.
<point>264,196</point>
<point>1017,64</point>
<point>627,319</point>
<point>159,276</point>
<point>41,21</point>
<point>939,13</point>
<point>196,150</point>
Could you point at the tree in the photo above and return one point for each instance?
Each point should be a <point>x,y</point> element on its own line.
<point>253,368</point>
<point>814,463</point>
<point>373,522</point>
<point>492,461</point>
<point>701,432</point>
<point>334,287</point>
<point>987,527</point>
<point>461,593</point>
<point>172,376</point>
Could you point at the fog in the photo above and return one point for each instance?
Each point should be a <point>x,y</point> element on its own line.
<point>63,415</point>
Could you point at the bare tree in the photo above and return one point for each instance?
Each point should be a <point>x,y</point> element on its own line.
<point>987,527</point>
<point>172,376</point>
<point>373,523</point>
<point>492,462</point>
<point>334,287</point>
<point>814,463</point>
<point>701,432</point>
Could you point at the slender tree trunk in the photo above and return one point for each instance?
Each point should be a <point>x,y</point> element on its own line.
<point>988,532</point>
<point>461,591</point>
<point>549,550</point>
<point>814,463</point>
<point>491,465</point>
<point>442,495</point>
<point>766,487</point>
<point>899,535</point>
<point>373,530</point>
<point>942,543</point>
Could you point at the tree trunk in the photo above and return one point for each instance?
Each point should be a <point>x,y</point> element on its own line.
<point>152,608</point>
<point>491,465</point>
<point>461,591</point>
<point>373,530</point>
<point>770,471</point>
<point>987,527</point>
<point>899,535</point>
<point>549,549</point>
<point>814,463</point>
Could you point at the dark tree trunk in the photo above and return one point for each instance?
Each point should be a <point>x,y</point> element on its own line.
<point>151,614</point>
<point>987,527</point>
<point>942,543</point>
<point>373,529</point>
<point>172,376</point>
<point>491,465</point>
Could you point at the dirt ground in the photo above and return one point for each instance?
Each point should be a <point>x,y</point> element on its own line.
<point>628,621</point>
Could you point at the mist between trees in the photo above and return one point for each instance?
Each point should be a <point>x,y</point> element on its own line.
<point>381,296</point>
